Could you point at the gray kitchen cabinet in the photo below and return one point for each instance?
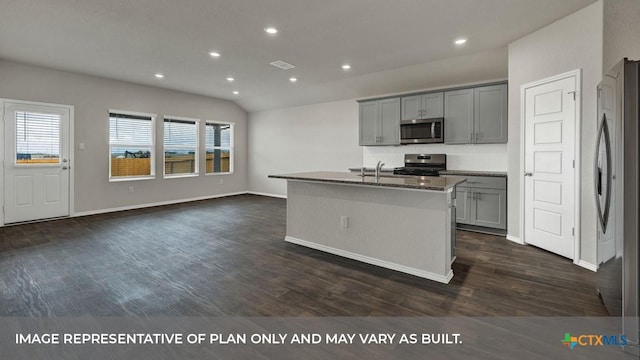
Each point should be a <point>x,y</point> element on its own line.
<point>490,114</point>
<point>424,106</point>
<point>462,205</point>
<point>476,115</point>
<point>368,122</point>
<point>482,201</point>
<point>380,122</point>
<point>489,207</point>
<point>458,116</point>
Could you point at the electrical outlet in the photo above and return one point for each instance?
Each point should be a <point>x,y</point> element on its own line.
<point>344,222</point>
<point>130,189</point>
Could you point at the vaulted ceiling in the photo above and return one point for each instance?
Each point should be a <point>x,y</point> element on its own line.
<point>134,40</point>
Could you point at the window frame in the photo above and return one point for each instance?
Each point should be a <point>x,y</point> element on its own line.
<point>152,151</point>
<point>231,146</point>
<point>196,172</point>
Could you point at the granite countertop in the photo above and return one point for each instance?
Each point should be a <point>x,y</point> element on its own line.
<point>473,173</point>
<point>371,169</point>
<point>433,183</point>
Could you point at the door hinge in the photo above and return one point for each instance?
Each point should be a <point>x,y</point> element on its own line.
<point>573,231</point>
<point>574,164</point>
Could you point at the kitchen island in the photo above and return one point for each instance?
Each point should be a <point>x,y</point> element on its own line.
<point>404,223</point>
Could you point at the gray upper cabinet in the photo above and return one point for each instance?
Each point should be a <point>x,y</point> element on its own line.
<point>490,117</point>
<point>476,116</point>
<point>380,122</point>
<point>471,116</point>
<point>458,116</point>
<point>368,122</point>
<point>425,106</point>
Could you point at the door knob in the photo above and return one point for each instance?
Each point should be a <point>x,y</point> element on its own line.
<point>64,168</point>
<point>528,173</point>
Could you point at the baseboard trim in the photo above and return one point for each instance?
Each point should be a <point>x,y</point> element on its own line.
<point>159,203</point>
<point>373,261</point>
<point>587,265</point>
<point>267,194</point>
<point>515,239</point>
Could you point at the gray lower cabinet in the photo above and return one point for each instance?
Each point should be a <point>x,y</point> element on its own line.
<point>482,201</point>
<point>380,122</point>
<point>425,106</point>
<point>476,116</point>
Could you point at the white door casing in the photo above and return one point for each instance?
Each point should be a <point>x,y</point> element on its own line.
<point>550,187</point>
<point>37,176</point>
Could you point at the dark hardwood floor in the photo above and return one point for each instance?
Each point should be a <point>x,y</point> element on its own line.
<point>227,257</point>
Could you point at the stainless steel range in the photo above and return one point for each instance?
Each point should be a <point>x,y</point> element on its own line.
<point>422,165</point>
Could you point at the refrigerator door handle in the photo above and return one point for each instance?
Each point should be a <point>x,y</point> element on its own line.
<point>603,211</point>
<point>599,184</point>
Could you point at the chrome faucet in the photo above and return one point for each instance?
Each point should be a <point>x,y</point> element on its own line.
<point>378,169</point>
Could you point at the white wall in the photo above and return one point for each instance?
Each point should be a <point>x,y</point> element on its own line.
<point>621,31</point>
<point>92,97</point>
<point>485,157</point>
<point>574,42</point>
<point>306,138</point>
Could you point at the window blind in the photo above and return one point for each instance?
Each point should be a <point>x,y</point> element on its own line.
<point>180,146</point>
<point>131,145</point>
<point>218,144</point>
<point>180,133</point>
<point>37,138</point>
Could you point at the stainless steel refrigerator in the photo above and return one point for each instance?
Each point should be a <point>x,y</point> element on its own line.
<point>616,192</point>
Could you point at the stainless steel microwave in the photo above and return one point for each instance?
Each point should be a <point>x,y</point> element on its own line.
<point>422,131</point>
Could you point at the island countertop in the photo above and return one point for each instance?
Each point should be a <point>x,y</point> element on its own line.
<point>433,183</point>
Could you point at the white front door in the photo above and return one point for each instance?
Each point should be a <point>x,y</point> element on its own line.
<point>549,147</point>
<point>36,161</point>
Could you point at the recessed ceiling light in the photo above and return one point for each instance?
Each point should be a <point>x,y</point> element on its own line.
<point>214,54</point>
<point>460,41</point>
<point>230,79</point>
<point>271,30</point>
<point>293,79</point>
<point>159,76</point>
<point>346,67</point>
<point>236,92</point>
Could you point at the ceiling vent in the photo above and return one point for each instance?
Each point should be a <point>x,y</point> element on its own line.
<point>282,65</point>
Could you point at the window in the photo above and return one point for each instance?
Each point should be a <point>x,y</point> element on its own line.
<point>180,146</point>
<point>131,145</point>
<point>37,138</point>
<point>219,147</point>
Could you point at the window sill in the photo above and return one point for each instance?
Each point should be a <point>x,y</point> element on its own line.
<point>219,173</point>
<point>133,178</point>
<point>180,176</point>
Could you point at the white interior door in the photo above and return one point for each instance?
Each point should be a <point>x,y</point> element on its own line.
<point>36,161</point>
<point>549,134</point>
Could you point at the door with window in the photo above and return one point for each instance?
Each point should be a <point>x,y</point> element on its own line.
<point>36,161</point>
